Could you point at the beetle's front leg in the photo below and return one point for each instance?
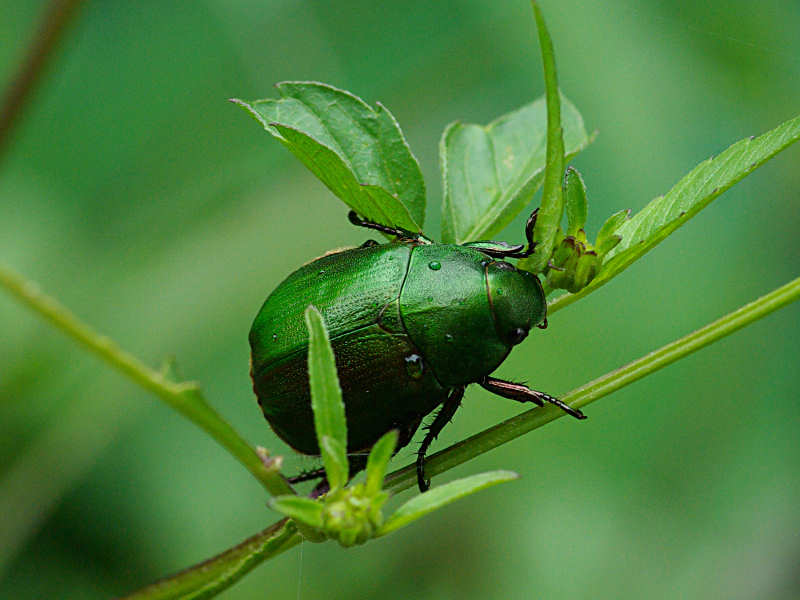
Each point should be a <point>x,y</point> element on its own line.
<point>442,418</point>
<point>353,217</point>
<point>522,393</point>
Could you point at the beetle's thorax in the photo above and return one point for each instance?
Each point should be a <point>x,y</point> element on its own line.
<point>463,310</point>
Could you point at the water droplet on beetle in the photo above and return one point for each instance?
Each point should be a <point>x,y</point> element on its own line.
<point>321,273</point>
<point>274,337</point>
<point>434,265</point>
<point>448,337</point>
<point>414,366</point>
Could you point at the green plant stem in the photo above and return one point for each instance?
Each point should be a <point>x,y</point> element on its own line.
<point>521,424</point>
<point>552,204</point>
<point>208,578</point>
<point>51,28</point>
<point>185,397</point>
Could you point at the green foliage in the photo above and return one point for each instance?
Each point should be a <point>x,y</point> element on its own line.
<point>437,497</point>
<point>663,215</point>
<point>358,152</point>
<point>491,172</point>
<point>575,261</point>
<point>552,205</point>
<point>694,192</point>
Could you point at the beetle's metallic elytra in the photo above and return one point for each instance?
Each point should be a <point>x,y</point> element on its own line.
<point>411,323</point>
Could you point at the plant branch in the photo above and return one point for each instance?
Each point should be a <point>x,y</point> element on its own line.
<point>51,28</point>
<point>208,578</point>
<point>185,397</point>
<point>521,424</point>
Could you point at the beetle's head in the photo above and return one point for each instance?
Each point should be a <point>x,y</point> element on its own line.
<point>517,300</point>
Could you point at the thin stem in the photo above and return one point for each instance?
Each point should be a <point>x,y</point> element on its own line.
<point>552,204</point>
<point>214,575</point>
<point>185,397</point>
<point>33,66</point>
<point>521,424</point>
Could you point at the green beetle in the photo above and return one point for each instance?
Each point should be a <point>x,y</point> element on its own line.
<point>411,323</point>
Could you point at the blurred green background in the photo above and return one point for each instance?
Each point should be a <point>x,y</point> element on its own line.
<point>164,216</point>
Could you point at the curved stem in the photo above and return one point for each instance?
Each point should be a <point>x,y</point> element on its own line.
<point>210,577</point>
<point>521,424</point>
<point>31,68</point>
<point>184,397</point>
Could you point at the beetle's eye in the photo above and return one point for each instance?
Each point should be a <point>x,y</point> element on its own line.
<point>518,335</point>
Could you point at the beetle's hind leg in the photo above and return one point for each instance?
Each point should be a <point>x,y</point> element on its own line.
<point>356,462</point>
<point>522,393</point>
<point>309,475</point>
<point>442,418</point>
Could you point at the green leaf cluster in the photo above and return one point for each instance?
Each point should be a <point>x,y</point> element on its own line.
<point>575,261</point>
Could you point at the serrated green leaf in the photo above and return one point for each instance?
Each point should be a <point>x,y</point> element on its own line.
<point>326,398</point>
<point>371,202</point>
<point>347,143</point>
<point>299,508</point>
<point>378,461</point>
<point>574,200</point>
<point>690,195</point>
<point>490,173</point>
<point>421,505</point>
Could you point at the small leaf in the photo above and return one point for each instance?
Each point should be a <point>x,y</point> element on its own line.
<point>371,202</point>
<point>299,508</point>
<point>326,397</point>
<point>574,200</point>
<point>607,237</point>
<point>345,142</point>
<point>549,220</point>
<point>378,461</point>
<point>421,505</point>
<point>490,173</point>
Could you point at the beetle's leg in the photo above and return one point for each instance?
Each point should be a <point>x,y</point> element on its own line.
<point>396,231</point>
<point>357,462</point>
<point>321,488</point>
<point>307,476</point>
<point>522,393</point>
<point>442,418</point>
